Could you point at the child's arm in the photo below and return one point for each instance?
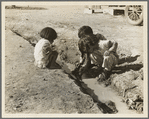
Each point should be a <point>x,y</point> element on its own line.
<point>81,48</point>
<point>46,49</point>
<point>112,48</point>
<point>53,47</point>
<point>84,59</point>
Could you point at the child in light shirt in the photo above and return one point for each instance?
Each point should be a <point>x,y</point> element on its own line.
<point>44,52</point>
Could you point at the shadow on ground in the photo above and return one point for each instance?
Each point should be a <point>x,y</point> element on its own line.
<point>128,59</point>
<point>123,69</point>
<point>127,67</point>
<point>102,106</point>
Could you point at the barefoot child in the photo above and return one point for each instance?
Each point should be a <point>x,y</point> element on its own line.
<point>107,49</point>
<point>86,47</point>
<point>87,30</point>
<point>97,51</point>
<point>44,52</point>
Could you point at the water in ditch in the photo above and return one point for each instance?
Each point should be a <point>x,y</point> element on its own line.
<point>103,93</point>
<point>106,93</point>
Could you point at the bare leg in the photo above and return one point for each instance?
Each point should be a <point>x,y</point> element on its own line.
<point>108,63</point>
<point>52,61</point>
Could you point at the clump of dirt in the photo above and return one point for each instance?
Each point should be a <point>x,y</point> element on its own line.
<point>130,85</point>
<point>112,105</point>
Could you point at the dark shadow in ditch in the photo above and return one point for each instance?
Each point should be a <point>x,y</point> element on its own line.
<point>123,69</point>
<point>128,59</point>
<point>31,40</point>
<point>85,89</point>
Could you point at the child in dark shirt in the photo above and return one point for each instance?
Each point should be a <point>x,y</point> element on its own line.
<point>95,49</point>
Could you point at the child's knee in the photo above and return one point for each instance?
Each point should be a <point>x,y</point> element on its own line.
<point>106,58</point>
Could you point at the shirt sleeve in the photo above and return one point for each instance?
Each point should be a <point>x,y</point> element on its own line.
<point>47,49</point>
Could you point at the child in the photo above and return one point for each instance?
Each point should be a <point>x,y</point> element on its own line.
<point>101,52</point>
<point>107,49</point>
<point>87,30</point>
<point>86,47</point>
<point>44,52</point>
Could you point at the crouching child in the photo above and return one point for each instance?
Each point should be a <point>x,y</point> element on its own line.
<point>45,53</point>
<point>96,51</point>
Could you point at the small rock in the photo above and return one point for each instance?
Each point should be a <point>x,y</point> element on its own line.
<point>18,106</point>
<point>27,90</point>
<point>136,97</point>
<point>11,96</point>
<point>20,110</point>
<point>19,98</point>
<point>132,107</point>
<point>79,98</point>
<point>140,109</point>
<point>35,97</point>
<point>123,100</point>
<point>112,106</point>
<point>44,79</point>
<point>15,108</point>
<point>21,103</point>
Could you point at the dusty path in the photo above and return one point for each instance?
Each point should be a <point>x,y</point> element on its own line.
<point>32,90</point>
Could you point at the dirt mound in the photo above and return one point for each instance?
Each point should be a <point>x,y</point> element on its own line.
<point>130,86</point>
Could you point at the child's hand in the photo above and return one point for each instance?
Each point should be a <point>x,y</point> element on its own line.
<point>107,53</point>
<point>53,47</point>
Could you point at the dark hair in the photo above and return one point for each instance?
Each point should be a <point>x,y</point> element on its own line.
<point>87,41</point>
<point>84,30</point>
<point>48,33</point>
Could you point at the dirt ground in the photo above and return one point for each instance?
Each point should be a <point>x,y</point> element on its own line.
<point>29,89</point>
